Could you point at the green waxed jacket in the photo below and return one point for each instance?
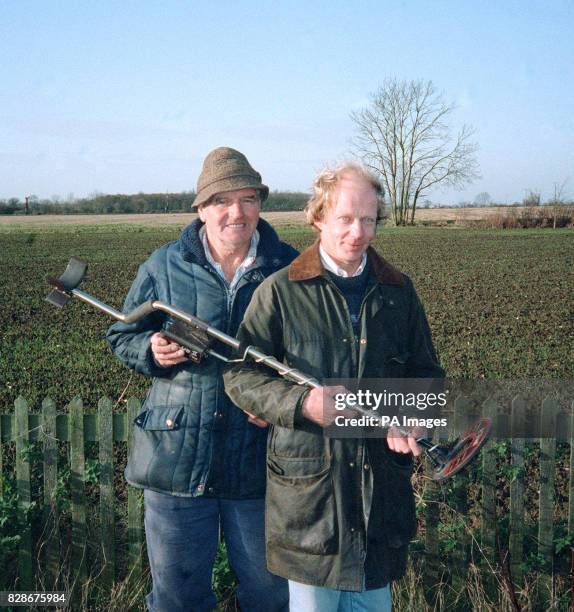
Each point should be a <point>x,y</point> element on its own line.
<point>339,512</point>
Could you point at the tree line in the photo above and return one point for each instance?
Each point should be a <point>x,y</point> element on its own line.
<point>134,203</point>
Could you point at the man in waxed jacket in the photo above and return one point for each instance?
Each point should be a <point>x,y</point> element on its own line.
<point>339,512</point>
<point>201,460</point>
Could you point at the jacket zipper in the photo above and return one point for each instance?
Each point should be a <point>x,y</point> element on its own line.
<point>355,354</point>
<point>362,448</point>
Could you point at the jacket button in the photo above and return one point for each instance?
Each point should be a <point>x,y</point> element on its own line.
<point>366,466</point>
<point>351,464</point>
<point>210,490</point>
<point>363,341</point>
<point>353,530</point>
<point>169,422</point>
<point>345,340</point>
<point>200,488</point>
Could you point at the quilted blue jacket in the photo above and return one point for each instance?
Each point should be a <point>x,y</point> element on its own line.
<point>190,439</point>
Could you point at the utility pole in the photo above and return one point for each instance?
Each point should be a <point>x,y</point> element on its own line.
<point>26,205</point>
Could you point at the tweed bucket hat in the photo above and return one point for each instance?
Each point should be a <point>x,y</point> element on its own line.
<point>225,169</point>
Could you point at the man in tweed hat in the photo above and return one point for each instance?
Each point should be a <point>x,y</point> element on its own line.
<point>199,459</point>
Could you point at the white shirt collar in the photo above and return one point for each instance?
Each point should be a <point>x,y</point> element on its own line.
<point>331,265</point>
<point>249,259</point>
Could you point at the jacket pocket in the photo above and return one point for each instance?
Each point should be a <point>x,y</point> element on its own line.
<point>300,512</point>
<point>292,445</point>
<point>157,440</point>
<point>160,418</point>
<point>307,352</point>
<point>399,502</point>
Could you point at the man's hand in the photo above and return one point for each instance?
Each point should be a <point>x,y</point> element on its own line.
<point>319,406</point>
<point>399,443</point>
<point>255,420</point>
<point>166,352</point>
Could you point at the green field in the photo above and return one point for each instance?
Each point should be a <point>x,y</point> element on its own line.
<point>500,303</point>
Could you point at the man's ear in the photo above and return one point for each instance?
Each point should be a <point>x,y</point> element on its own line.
<point>200,213</point>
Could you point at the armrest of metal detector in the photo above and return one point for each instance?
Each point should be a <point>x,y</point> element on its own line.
<point>138,313</point>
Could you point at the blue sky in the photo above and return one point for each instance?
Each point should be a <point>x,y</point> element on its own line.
<point>125,96</point>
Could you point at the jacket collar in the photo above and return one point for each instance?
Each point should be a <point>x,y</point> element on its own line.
<point>267,251</point>
<point>308,265</point>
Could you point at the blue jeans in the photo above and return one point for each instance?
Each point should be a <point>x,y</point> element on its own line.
<point>306,598</point>
<point>182,534</point>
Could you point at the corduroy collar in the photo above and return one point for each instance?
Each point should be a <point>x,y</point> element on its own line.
<point>267,250</point>
<point>308,265</point>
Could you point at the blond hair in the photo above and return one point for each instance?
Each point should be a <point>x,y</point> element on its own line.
<point>326,183</point>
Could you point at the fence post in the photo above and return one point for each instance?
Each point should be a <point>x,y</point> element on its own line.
<point>546,500</point>
<point>432,575</point>
<point>460,554</point>
<point>431,566</point>
<point>77,465</point>
<point>515,539</point>
<point>487,559</point>
<point>135,531</point>
<point>25,574</point>
<point>106,437</point>
<point>488,518</point>
<point>51,522</point>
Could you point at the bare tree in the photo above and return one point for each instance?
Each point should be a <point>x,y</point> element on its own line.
<point>557,200</point>
<point>403,135</point>
<point>531,197</point>
<point>483,199</point>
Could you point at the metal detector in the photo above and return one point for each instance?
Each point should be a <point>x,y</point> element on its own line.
<point>196,337</point>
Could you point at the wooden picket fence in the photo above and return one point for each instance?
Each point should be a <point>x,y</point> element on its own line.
<point>77,427</point>
<point>556,425</point>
